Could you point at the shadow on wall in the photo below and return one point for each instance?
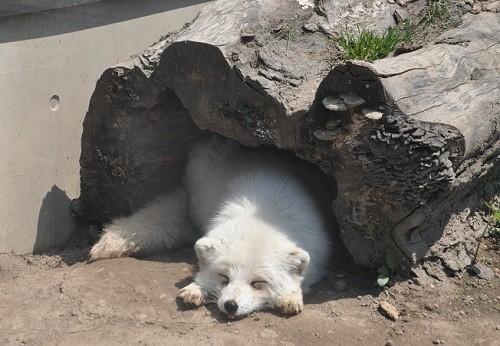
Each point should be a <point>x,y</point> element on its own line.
<point>55,221</point>
<point>75,18</point>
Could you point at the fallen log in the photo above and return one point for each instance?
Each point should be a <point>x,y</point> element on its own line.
<point>406,138</point>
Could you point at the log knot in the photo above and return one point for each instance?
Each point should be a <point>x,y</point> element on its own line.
<point>411,159</point>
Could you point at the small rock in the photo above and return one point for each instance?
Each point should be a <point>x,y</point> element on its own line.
<point>483,297</point>
<point>483,271</point>
<point>312,27</point>
<point>437,341</point>
<point>401,15</point>
<point>389,342</point>
<point>389,310</point>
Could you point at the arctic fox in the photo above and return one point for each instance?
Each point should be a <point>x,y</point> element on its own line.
<point>264,240</point>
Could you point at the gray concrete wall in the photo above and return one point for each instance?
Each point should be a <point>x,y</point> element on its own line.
<point>49,63</point>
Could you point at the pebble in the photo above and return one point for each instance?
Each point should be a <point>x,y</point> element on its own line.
<point>389,342</point>
<point>483,271</point>
<point>437,341</point>
<point>312,27</point>
<point>389,310</point>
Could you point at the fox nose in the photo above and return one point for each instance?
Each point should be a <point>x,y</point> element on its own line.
<point>231,306</point>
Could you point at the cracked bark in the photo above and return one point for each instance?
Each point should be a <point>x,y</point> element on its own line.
<point>416,167</point>
<point>248,71</point>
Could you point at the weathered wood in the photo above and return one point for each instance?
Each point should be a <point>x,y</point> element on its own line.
<point>250,70</point>
<point>136,135</point>
<point>404,160</point>
<point>401,177</point>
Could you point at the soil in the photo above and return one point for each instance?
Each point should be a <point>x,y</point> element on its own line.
<point>59,299</point>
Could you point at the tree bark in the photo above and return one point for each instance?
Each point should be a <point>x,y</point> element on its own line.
<point>402,176</point>
<point>406,138</point>
<point>136,135</point>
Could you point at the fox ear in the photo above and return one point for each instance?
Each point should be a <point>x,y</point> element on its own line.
<point>204,248</point>
<point>298,260</point>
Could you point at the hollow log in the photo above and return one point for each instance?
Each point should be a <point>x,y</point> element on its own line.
<point>407,138</point>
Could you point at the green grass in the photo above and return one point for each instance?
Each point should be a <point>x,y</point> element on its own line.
<point>494,223</point>
<point>364,44</point>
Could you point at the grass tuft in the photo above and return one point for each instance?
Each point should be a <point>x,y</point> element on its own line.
<point>364,44</point>
<point>435,11</point>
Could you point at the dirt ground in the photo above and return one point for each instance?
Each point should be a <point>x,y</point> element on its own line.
<point>43,300</point>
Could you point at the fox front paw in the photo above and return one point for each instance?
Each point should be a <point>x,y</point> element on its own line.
<point>290,304</point>
<point>192,294</point>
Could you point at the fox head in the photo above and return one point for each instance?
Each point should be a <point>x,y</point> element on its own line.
<point>249,266</point>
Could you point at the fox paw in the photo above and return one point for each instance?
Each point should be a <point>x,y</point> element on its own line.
<point>111,245</point>
<point>192,294</point>
<point>290,304</point>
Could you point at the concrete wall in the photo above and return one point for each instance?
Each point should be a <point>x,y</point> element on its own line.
<point>49,63</point>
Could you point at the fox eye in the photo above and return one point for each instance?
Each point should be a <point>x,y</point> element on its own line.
<point>258,284</point>
<point>225,279</point>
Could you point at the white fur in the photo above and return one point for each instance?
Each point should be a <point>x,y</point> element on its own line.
<point>162,225</point>
<point>264,238</point>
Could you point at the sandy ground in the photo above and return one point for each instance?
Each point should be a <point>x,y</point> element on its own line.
<point>43,300</point>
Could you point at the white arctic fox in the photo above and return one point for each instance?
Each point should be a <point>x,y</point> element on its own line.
<point>263,236</point>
